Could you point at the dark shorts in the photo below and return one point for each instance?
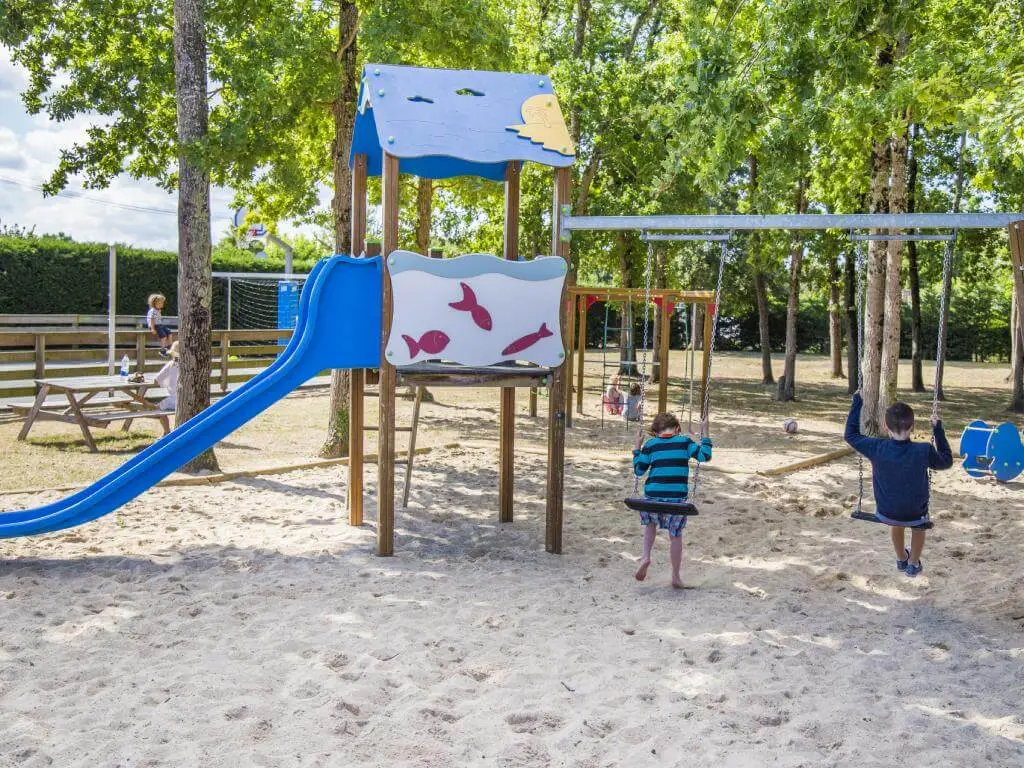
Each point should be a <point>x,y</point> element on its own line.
<point>162,331</point>
<point>900,522</point>
<point>674,524</point>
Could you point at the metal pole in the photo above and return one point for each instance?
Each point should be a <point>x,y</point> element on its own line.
<point>902,237</point>
<point>111,308</point>
<point>702,237</point>
<point>229,303</point>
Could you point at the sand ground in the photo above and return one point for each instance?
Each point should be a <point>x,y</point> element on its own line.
<point>248,624</point>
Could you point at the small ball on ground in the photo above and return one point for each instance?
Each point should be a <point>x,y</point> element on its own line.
<point>790,426</point>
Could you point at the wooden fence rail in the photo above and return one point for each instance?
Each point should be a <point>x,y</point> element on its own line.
<point>26,354</point>
<point>73,322</point>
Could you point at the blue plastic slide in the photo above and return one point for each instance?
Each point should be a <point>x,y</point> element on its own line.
<point>338,327</point>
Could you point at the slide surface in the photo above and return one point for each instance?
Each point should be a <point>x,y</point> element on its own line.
<point>338,327</point>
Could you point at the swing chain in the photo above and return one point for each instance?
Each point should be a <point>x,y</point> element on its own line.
<point>649,269</point>
<point>706,404</point>
<point>940,345</point>
<point>861,277</point>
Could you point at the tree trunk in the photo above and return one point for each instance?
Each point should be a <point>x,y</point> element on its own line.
<point>760,284</point>
<point>852,342</point>
<point>1016,360</point>
<point>424,203</point>
<point>344,111</point>
<point>947,283</point>
<point>893,284</point>
<point>874,310</point>
<point>913,273</point>
<point>787,382</point>
<point>835,316</point>
<point>195,283</point>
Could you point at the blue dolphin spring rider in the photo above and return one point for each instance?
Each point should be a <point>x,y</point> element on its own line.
<point>992,451</point>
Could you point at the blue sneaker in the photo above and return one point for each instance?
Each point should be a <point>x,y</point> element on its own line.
<point>901,565</point>
<point>913,570</point>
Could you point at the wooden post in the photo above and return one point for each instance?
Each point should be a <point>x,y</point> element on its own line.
<point>709,321</point>
<point>357,376</point>
<point>111,308</point>
<point>570,345</point>
<point>581,349</point>
<point>663,356</point>
<point>557,387</point>
<point>140,352</point>
<point>386,400</point>
<point>411,452</point>
<point>1016,230</point>
<point>533,402</point>
<point>40,356</point>
<point>225,356</point>
<point>507,418</point>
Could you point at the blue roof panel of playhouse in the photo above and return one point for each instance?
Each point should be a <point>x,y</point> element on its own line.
<point>442,123</point>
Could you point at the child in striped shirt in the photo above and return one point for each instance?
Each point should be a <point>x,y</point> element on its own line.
<point>665,459</point>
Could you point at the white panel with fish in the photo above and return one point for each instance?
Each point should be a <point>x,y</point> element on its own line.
<point>475,310</point>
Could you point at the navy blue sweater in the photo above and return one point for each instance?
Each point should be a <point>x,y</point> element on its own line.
<point>899,468</point>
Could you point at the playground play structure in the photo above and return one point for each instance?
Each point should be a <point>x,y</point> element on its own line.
<point>471,321</point>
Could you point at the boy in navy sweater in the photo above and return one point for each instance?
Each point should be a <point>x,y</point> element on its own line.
<point>899,475</point>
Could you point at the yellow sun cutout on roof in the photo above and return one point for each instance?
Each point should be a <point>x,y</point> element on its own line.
<point>543,124</point>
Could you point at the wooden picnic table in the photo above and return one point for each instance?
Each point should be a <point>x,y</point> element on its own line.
<point>79,391</point>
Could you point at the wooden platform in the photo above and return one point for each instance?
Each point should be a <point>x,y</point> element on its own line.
<point>451,375</point>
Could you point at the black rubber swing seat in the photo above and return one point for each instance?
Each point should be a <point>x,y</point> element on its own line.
<point>643,504</point>
<point>870,518</point>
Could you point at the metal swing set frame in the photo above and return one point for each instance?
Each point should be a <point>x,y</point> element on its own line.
<point>862,227</point>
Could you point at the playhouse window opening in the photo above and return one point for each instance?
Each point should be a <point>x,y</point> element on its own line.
<point>469,92</point>
<point>423,99</point>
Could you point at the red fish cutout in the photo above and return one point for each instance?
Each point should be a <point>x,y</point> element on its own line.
<point>527,341</point>
<point>431,342</point>
<point>469,304</point>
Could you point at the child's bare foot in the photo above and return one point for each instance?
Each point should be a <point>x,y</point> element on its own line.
<point>641,572</point>
<point>677,583</point>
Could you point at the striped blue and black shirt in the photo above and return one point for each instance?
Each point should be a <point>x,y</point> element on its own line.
<point>666,462</point>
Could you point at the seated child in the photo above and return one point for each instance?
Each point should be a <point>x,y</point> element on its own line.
<point>634,403</point>
<point>665,459</point>
<point>155,321</point>
<point>613,398</point>
<point>168,379</point>
<point>899,475</point>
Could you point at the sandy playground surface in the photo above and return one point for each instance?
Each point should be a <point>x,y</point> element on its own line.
<point>246,624</point>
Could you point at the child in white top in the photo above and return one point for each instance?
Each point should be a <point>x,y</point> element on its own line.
<point>634,403</point>
<point>154,319</point>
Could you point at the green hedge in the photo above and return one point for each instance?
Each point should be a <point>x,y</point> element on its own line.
<point>54,275</point>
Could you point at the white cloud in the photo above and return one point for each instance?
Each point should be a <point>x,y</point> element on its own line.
<point>10,152</point>
<point>29,152</point>
<point>30,148</point>
<point>13,78</point>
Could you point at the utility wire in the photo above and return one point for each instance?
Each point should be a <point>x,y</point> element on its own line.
<point>89,199</point>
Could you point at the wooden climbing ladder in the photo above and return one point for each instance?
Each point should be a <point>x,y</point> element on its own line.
<point>412,430</point>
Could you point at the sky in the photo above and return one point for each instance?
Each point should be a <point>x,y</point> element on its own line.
<point>129,211</point>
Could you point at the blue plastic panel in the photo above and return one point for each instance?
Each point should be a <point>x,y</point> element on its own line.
<point>418,115</point>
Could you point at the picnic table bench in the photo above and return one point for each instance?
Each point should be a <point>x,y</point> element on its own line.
<point>79,391</point>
